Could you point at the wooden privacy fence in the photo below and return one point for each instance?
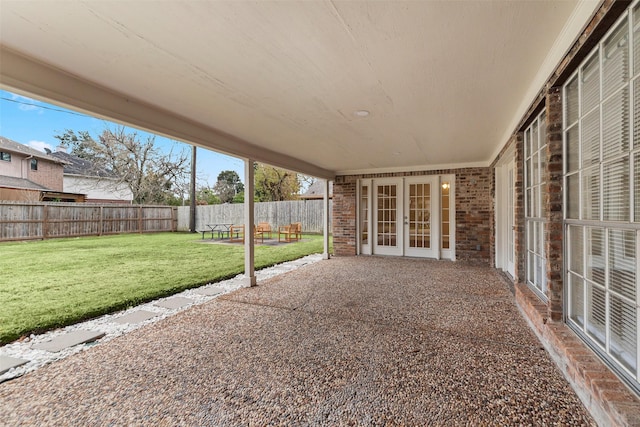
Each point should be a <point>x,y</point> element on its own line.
<point>38,220</point>
<point>308,212</point>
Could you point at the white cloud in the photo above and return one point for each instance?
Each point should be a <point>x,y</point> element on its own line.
<point>40,145</point>
<point>26,103</point>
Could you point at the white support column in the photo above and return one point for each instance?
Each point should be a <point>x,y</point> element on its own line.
<point>249,267</point>
<point>325,220</point>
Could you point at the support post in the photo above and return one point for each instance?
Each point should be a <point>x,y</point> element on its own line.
<point>192,191</point>
<point>325,220</point>
<point>249,267</point>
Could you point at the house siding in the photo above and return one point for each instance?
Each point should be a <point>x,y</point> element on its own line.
<point>48,174</point>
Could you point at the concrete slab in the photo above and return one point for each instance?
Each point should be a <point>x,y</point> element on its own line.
<point>69,339</point>
<point>173,303</point>
<point>213,290</point>
<point>138,316</point>
<point>7,362</point>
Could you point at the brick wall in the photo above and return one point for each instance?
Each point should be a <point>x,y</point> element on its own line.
<point>49,174</point>
<point>344,216</point>
<point>473,211</point>
<point>552,204</point>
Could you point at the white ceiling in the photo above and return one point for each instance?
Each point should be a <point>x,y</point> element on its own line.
<point>445,81</point>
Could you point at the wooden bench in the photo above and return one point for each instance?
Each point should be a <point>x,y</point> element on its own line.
<point>291,232</point>
<point>236,234</point>
<point>264,228</point>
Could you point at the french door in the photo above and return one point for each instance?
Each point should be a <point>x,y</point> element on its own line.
<point>421,217</point>
<point>404,217</point>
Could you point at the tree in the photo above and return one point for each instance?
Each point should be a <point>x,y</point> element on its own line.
<point>228,186</point>
<point>152,176</point>
<point>207,196</point>
<point>275,184</point>
<point>238,198</point>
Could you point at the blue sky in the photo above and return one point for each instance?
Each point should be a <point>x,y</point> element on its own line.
<point>34,123</point>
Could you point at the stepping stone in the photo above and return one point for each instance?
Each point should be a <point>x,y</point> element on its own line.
<point>7,363</point>
<point>69,340</point>
<point>138,316</point>
<point>175,302</point>
<point>213,290</point>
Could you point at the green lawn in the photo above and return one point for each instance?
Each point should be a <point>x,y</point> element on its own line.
<point>53,283</point>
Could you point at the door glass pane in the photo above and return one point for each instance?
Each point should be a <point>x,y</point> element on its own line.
<point>364,211</point>
<point>444,217</point>
<point>419,215</point>
<point>387,230</point>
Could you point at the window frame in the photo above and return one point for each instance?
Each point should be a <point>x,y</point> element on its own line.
<point>535,222</point>
<point>580,263</point>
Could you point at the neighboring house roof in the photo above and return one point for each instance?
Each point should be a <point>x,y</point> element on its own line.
<point>78,166</point>
<point>21,183</point>
<point>316,190</point>
<point>11,146</point>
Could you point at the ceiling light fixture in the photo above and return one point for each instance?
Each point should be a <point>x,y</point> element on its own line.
<point>361,113</point>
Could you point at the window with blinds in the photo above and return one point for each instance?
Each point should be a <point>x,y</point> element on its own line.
<point>602,196</point>
<point>535,145</point>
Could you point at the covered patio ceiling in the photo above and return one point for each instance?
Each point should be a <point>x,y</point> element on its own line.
<point>444,82</point>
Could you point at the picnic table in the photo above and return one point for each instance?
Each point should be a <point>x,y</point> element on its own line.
<point>221,229</point>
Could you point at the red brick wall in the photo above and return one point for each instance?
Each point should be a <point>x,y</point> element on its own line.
<point>473,211</point>
<point>49,174</point>
<point>344,216</point>
<point>552,204</point>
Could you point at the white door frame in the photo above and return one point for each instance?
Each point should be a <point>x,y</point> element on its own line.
<point>372,247</point>
<point>505,213</point>
<point>434,220</point>
<point>364,248</point>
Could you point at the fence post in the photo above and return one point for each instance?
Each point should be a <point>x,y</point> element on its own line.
<point>140,219</point>
<point>174,218</point>
<point>45,222</point>
<point>100,225</point>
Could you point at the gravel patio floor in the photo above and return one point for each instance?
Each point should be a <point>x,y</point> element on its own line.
<point>349,341</point>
